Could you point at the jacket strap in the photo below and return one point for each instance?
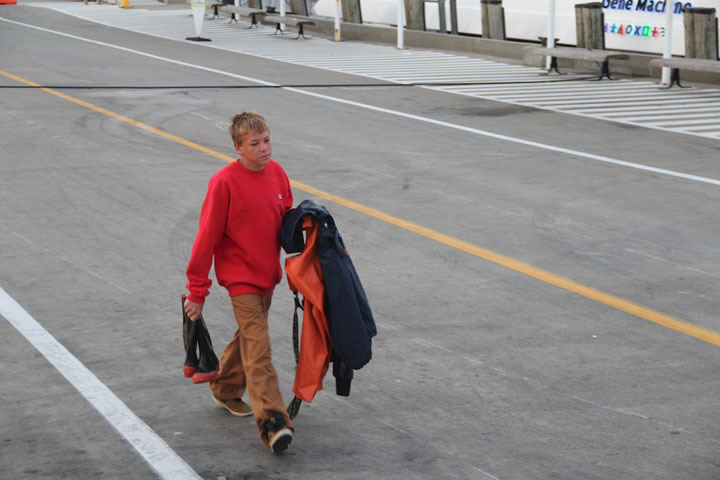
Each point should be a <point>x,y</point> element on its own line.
<point>294,405</point>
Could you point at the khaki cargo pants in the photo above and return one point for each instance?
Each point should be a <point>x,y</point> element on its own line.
<point>247,363</point>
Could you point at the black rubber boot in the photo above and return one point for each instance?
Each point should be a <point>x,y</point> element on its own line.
<point>191,343</point>
<point>208,364</point>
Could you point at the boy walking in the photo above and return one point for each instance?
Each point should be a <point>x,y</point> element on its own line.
<point>240,223</point>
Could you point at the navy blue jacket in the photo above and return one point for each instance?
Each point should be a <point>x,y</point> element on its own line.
<point>346,306</point>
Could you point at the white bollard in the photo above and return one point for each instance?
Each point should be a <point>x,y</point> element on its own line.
<point>551,33</point>
<point>338,9</point>
<point>401,25</point>
<point>669,7</point>
<point>282,14</point>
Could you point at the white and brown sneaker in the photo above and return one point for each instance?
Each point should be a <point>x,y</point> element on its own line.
<point>278,434</point>
<point>235,406</point>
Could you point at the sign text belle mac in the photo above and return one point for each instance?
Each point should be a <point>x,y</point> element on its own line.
<point>655,6</point>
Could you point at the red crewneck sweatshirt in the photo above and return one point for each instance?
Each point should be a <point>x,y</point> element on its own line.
<point>240,224</point>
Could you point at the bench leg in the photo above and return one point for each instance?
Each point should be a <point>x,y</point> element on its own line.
<point>301,33</point>
<point>277,29</point>
<point>605,71</point>
<point>233,18</point>
<point>553,66</point>
<point>215,14</point>
<point>674,79</point>
<point>254,22</point>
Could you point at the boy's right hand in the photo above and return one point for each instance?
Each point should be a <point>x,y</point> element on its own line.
<point>193,309</point>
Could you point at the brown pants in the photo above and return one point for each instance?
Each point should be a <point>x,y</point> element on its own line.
<point>247,362</point>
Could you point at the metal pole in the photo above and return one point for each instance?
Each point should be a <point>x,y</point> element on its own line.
<point>282,12</point>
<point>551,33</point>
<point>453,17</point>
<point>401,25</point>
<point>669,7</point>
<point>441,15</point>
<point>337,20</point>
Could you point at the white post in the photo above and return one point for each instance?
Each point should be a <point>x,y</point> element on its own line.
<point>550,33</point>
<point>338,8</point>
<point>401,25</point>
<point>282,13</point>
<point>237,3</point>
<point>669,7</point>
<point>198,12</point>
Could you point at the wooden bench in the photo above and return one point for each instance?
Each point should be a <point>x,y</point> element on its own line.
<point>254,14</point>
<point>296,22</point>
<point>681,63</point>
<point>602,56</point>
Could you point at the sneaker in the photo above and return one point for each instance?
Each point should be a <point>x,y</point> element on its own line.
<point>235,406</point>
<point>278,434</point>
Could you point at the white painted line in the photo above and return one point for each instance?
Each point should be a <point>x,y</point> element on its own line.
<point>660,115</point>
<point>158,454</point>
<point>521,141</point>
<point>464,77</point>
<point>530,92</point>
<point>567,151</point>
<point>587,94</point>
<point>709,129</point>
<point>387,64</point>
<point>627,104</point>
<point>569,85</point>
<point>686,121</point>
<point>711,107</point>
<point>138,52</point>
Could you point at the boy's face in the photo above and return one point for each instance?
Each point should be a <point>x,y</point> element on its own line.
<point>255,150</point>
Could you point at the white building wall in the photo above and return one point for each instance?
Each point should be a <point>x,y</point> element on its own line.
<point>528,20</point>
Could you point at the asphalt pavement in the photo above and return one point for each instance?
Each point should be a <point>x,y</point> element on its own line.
<point>544,283</point>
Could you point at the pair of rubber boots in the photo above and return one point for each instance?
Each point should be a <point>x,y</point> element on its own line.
<point>203,366</point>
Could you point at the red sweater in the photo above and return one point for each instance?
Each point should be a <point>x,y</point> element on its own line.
<point>240,225</point>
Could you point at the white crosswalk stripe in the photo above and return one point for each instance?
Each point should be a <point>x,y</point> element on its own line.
<point>690,111</point>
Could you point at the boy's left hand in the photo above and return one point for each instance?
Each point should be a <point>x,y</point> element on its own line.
<point>193,309</point>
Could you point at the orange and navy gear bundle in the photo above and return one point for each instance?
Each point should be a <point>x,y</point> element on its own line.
<point>338,324</point>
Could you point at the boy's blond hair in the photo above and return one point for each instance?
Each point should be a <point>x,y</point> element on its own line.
<point>245,122</point>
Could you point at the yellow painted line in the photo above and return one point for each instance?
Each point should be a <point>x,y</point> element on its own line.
<point>122,118</point>
<point>619,303</point>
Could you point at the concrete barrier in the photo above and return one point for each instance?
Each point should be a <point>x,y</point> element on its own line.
<point>636,64</point>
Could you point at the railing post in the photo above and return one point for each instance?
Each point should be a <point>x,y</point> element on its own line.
<point>401,25</point>
<point>299,7</point>
<point>701,40</point>
<point>551,33</point>
<point>282,13</point>
<point>589,25</point>
<point>667,52</point>
<point>351,11</point>
<point>415,14</point>
<point>453,17</point>
<point>338,8</point>
<point>441,16</point>
<point>493,19</point>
